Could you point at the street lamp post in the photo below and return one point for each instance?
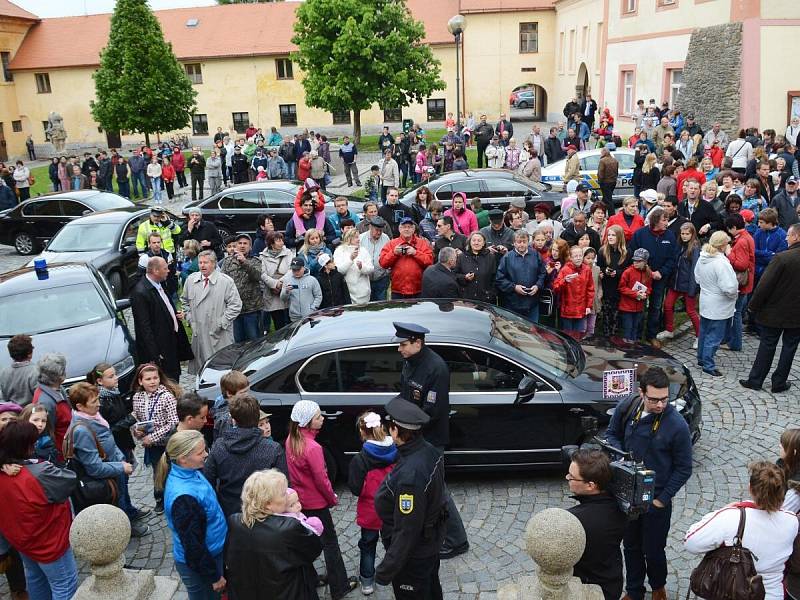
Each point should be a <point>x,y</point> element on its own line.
<point>456,26</point>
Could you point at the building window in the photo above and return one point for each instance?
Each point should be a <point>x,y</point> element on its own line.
<point>289,114</point>
<point>194,72</point>
<point>661,3</point>
<point>528,38</point>
<point>43,83</point>
<point>284,68</point>
<point>561,51</point>
<point>240,121</point>
<point>200,124</point>
<point>599,43</point>
<point>629,7</point>
<point>572,42</point>
<point>16,126</point>
<point>585,41</point>
<point>627,82</point>
<point>341,117</point>
<point>45,126</point>
<point>392,115</point>
<point>437,110</point>
<point>7,74</point>
<point>675,78</point>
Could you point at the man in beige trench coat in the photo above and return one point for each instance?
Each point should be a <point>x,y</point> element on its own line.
<point>210,303</point>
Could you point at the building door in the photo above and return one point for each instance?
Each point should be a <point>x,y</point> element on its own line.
<point>3,150</point>
<point>582,85</point>
<point>113,139</point>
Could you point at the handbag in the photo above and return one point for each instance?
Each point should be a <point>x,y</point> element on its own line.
<point>90,490</point>
<point>729,572</point>
<point>742,277</point>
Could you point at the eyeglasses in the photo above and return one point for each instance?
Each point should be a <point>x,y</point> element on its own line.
<point>663,400</point>
<point>571,478</point>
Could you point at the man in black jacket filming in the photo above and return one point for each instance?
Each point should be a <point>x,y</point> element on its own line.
<point>604,523</point>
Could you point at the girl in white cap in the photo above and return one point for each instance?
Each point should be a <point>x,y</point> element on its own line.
<point>309,477</point>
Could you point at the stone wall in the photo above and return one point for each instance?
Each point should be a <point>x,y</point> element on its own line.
<point>712,76</point>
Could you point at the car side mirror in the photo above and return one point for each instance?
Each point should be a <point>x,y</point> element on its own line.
<point>526,389</point>
<point>122,304</point>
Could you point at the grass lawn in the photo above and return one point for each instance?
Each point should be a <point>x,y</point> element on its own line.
<point>369,143</point>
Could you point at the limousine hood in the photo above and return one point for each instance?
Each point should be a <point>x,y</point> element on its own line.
<point>63,257</point>
<point>602,355</point>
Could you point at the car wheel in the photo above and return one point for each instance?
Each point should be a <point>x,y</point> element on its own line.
<point>330,465</point>
<point>522,105</point>
<point>115,281</point>
<point>24,243</point>
<point>224,234</point>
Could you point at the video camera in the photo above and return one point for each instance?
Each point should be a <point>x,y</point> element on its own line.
<point>632,484</point>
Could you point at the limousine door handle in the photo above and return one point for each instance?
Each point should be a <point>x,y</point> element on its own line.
<point>332,415</point>
<point>576,411</point>
<point>453,412</point>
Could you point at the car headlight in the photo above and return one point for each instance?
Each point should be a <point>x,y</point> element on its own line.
<point>124,366</point>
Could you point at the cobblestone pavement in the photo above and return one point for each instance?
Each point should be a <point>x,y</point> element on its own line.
<point>739,426</point>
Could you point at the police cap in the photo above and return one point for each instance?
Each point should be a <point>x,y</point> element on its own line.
<point>409,331</point>
<point>406,414</point>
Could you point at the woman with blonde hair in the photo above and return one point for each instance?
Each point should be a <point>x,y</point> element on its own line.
<point>355,263</point>
<point>270,555</point>
<point>719,290</point>
<point>313,246</point>
<point>194,516</point>
<point>650,174</point>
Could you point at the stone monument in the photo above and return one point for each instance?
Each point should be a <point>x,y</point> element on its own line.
<point>55,131</point>
<point>99,536</point>
<point>555,540</point>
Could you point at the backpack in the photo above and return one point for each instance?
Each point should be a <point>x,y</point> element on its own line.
<point>729,572</point>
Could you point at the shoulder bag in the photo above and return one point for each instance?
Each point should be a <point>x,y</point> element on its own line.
<point>728,572</point>
<point>89,491</point>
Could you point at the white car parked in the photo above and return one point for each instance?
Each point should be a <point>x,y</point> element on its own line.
<point>553,174</point>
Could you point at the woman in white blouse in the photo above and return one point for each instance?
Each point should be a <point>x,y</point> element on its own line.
<point>355,264</point>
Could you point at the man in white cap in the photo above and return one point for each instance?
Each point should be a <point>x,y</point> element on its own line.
<point>649,200</point>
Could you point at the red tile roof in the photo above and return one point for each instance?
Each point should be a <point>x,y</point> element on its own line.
<point>478,6</point>
<point>8,9</point>
<point>221,31</point>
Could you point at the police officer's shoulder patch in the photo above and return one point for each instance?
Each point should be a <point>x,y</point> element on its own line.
<point>406,503</point>
<point>431,399</point>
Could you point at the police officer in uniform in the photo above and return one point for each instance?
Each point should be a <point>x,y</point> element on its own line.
<point>425,381</point>
<point>412,503</point>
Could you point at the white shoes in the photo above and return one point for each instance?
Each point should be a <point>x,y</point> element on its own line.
<point>367,590</point>
<point>694,344</point>
<point>664,335</point>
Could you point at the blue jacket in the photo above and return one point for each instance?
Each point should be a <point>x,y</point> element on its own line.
<point>336,220</point>
<point>86,449</point>
<point>192,483</point>
<point>525,270</point>
<point>768,244</point>
<point>683,276</point>
<point>663,250</point>
<point>582,129</point>
<point>301,146</point>
<point>668,451</point>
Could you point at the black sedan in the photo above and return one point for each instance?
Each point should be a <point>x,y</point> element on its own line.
<point>69,309</point>
<point>518,391</point>
<point>106,240</point>
<point>30,224</point>
<point>235,209</point>
<point>495,187</point>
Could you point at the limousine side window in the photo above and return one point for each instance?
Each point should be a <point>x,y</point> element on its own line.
<point>369,370</point>
<point>474,370</point>
<point>241,200</point>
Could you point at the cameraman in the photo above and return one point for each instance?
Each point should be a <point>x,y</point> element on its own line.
<point>656,434</point>
<point>604,523</point>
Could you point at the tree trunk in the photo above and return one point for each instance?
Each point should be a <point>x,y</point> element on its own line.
<point>147,139</point>
<point>357,127</point>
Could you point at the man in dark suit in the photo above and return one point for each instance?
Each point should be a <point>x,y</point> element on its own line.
<point>160,336</point>
<point>588,109</point>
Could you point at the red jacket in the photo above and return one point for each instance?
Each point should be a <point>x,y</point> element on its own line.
<point>407,270</point>
<point>303,169</point>
<point>167,173</point>
<point>299,196</point>
<point>36,514</point>
<point>308,474</point>
<point>178,161</point>
<point>627,297</point>
<point>699,177</point>
<point>366,515</point>
<point>743,256</point>
<point>716,154</point>
<point>619,219</point>
<point>576,295</point>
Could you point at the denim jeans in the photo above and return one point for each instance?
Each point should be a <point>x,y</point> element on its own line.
<point>378,288</point>
<point>57,580</point>
<point>292,167</point>
<point>156,183</point>
<point>631,324</point>
<point>245,327</point>
<point>577,325</point>
<point>643,546</point>
<point>733,331</point>
<point>533,313</point>
<point>198,586</point>
<point>124,502</point>
<point>711,334</point>
<point>337,574</point>
<point>139,179</point>
<point>367,545</point>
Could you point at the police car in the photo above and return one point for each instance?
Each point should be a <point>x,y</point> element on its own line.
<point>553,174</point>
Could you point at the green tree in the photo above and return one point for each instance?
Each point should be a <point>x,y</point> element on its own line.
<point>355,53</point>
<point>140,85</point>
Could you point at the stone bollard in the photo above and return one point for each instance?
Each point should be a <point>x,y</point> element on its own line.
<point>99,536</point>
<point>555,540</point>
